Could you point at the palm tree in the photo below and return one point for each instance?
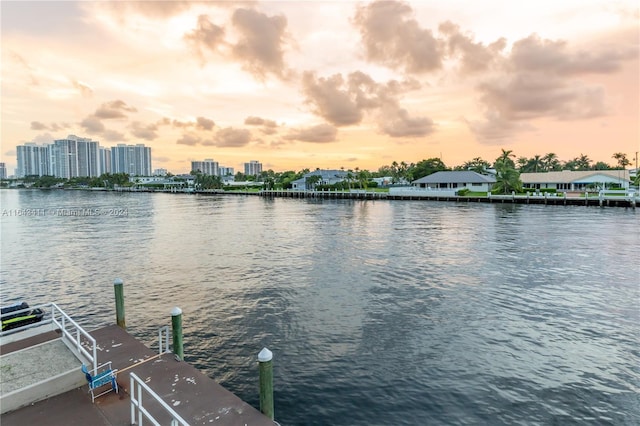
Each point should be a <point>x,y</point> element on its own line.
<point>477,165</point>
<point>363,177</point>
<point>402,170</point>
<point>394,172</point>
<point>522,164</point>
<point>505,159</point>
<point>550,162</point>
<point>507,180</point>
<point>622,159</point>
<point>583,162</point>
<point>536,163</point>
<point>311,181</point>
<point>349,178</point>
<point>507,177</point>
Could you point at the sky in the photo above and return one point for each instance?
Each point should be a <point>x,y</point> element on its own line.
<point>315,84</point>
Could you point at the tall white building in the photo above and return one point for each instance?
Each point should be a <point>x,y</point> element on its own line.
<point>33,160</point>
<point>104,158</point>
<point>3,171</point>
<point>82,157</point>
<point>74,157</point>
<point>135,160</point>
<point>252,168</point>
<point>207,167</point>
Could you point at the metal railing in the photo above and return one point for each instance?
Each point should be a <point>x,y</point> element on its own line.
<point>139,413</point>
<point>74,334</point>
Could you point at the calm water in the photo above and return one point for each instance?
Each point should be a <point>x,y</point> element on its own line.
<point>378,312</point>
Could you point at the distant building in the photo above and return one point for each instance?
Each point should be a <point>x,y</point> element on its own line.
<point>74,157</point>
<point>104,158</point>
<point>81,157</point>
<point>568,180</point>
<point>3,171</point>
<point>327,177</point>
<point>134,160</point>
<point>160,172</point>
<point>456,180</point>
<point>252,168</point>
<point>33,160</point>
<point>383,181</point>
<point>207,167</point>
<point>226,171</point>
<point>145,179</point>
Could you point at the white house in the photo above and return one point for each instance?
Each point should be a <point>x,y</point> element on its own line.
<point>456,180</point>
<point>145,179</point>
<point>568,180</point>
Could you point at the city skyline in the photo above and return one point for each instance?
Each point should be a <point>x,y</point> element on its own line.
<point>75,156</point>
<point>324,84</point>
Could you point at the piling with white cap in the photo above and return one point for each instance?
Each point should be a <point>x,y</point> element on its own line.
<point>265,358</point>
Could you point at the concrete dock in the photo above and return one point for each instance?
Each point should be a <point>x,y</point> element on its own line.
<point>194,396</point>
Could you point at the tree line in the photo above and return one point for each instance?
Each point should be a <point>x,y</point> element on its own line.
<point>106,180</point>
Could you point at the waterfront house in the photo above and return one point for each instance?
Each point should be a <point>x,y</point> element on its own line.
<point>383,181</point>
<point>568,180</point>
<point>141,180</point>
<point>456,180</point>
<point>327,177</point>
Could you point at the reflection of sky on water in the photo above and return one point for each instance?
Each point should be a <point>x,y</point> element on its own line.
<point>463,305</point>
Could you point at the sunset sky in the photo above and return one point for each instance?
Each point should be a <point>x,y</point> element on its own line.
<point>307,84</point>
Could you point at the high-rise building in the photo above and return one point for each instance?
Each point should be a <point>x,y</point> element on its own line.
<point>3,171</point>
<point>160,172</point>
<point>74,157</point>
<point>88,158</point>
<point>33,160</point>
<point>207,167</point>
<point>135,160</point>
<point>82,157</point>
<point>104,158</point>
<point>64,158</point>
<point>252,168</point>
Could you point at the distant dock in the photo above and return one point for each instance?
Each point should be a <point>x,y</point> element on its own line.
<point>421,195</point>
<point>608,199</point>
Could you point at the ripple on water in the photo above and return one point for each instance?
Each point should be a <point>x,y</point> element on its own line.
<point>378,313</point>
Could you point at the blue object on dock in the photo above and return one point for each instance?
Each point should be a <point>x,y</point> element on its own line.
<point>98,380</point>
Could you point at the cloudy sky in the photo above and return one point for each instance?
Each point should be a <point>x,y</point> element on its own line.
<point>306,84</point>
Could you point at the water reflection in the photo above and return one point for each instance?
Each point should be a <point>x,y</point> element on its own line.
<point>419,312</point>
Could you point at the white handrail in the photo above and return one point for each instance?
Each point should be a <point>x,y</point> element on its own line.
<point>72,333</point>
<point>137,385</point>
<point>68,327</point>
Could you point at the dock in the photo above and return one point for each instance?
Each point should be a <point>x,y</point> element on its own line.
<point>412,194</point>
<point>42,364</point>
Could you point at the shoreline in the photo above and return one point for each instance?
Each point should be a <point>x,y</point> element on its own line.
<point>584,199</point>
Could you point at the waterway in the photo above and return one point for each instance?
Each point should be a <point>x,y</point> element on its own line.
<point>377,312</point>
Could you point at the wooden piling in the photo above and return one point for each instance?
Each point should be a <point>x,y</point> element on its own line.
<point>118,288</point>
<point>266,382</point>
<point>176,328</point>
